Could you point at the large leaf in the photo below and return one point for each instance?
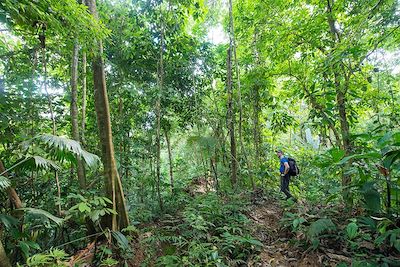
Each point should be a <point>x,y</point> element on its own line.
<point>391,157</point>
<point>372,198</point>
<point>43,213</point>
<point>385,139</point>
<point>8,221</point>
<point>35,163</point>
<point>4,183</point>
<point>352,230</point>
<point>62,148</point>
<point>122,241</point>
<point>337,154</point>
<point>369,155</point>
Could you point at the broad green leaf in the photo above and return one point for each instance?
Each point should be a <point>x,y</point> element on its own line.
<point>43,213</point>
<point>352,230</point>
<point>370,155</point>
<point>8,221</point>
<point>84,207</point>
<point>337,154</point>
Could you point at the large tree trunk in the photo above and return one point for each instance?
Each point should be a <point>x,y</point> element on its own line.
<point>74,112</point>
<point>113,185</point>
<point>4,261</point>
<point>231,120</point>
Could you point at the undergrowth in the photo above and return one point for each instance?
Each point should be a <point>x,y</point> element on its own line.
<point>365,240</point>
<point>209,231</point>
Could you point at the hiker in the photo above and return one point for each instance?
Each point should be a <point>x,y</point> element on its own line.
<point>285,175</point>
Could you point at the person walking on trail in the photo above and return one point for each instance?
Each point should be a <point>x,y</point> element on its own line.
<point>285,175</point>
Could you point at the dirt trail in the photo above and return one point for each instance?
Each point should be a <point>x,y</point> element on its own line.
<point>277,250</point>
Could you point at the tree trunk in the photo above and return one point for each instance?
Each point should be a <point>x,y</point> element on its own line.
<point>49,100</point>
<point>344,124</point>
<point>171,172</point>
<point>256,129</point>
<point>84,96</point>
<point>341,90</point>
<point>74,112</point>
<point>233,48</point>
<point>160,80</point>
<point>331,124</point>
<point>256,113</point>
<point>4,261</point>
<point>113,185</point>
<point>231,120</point>
<point>213,166</point>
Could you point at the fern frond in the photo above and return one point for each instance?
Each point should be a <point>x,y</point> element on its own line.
<point>320,226</point>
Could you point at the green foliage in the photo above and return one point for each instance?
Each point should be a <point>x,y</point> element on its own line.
<point>4,183</point>
<point>352,230</point>
<point>62,148</point>
<point>43,214</point>
<point>57,18</point>
<point>319,78</point>
<point>93,208</point>
<point>8,221</point>
<point>393,238</point>
<point>123,245</point>
<point>317,228</point>
<point>109,262</point>
<point>212,232</point>
<point>54,258</point>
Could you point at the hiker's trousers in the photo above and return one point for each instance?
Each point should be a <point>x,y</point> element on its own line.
<point>285,185</point>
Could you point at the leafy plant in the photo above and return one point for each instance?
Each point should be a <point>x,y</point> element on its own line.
<point>93,207</point>
<point>393,238</point>
<point>54,258</point>
<point>109,262</point>
<point>352,230</point>
<point>317,228</point>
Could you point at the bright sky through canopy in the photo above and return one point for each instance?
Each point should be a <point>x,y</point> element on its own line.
<point>216,35</point>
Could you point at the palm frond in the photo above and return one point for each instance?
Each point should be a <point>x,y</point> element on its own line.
<point>64,148</point>
<point>35,163</point>
<point>4,183</point>
<point>43,213</point>
<point>8,221</point>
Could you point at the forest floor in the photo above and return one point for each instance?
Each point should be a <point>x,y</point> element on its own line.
<point>279,246</point>
<point>277,249</point>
